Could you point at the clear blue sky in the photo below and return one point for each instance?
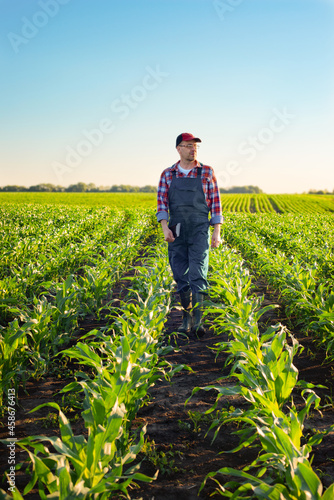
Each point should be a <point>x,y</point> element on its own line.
<point>97,91</point>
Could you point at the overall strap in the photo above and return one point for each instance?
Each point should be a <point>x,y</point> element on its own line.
<point>199,169</point>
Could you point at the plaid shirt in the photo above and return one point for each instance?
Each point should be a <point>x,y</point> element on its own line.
<point>210,189</point>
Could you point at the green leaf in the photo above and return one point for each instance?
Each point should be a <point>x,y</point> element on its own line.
<point>16,495</point>
<point>311,482</point>
<point>329,493</point>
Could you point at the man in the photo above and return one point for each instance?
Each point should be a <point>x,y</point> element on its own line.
<point>187,193</point>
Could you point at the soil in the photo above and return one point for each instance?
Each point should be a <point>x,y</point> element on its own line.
<point>183,450</point>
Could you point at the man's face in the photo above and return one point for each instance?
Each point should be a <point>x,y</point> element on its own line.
<point>188,150</point>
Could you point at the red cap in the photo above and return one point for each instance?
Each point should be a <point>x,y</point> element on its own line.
<point>186,137</point>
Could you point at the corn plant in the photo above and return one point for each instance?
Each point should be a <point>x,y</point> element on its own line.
<point>122,367</point>
<point>284,468</point>
<point>14,351</point>
<point>303,277</point>
<point>85,468</point>
<point>53,315</point>
<point>263,365</point>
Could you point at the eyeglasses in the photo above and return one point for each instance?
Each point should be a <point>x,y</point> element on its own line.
<point>189,146</point>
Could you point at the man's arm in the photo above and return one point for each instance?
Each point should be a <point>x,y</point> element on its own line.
<point>162,198</point>
<point>162,210</point>
<point>216,212</point>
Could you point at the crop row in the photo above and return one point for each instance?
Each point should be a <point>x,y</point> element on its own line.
<point>42,245</point>
<point>302,273</point>
<point>280,203</point>
<point>262,362</point>
<point>43,314</point>
<point>231,202</point>
<point>307,237</point>
<point>124,360</point>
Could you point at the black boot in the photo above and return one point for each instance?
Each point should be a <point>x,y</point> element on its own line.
<point>198,299</point>
<point>185,298</point>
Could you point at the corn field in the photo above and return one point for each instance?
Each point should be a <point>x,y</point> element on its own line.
<point>62,259</point>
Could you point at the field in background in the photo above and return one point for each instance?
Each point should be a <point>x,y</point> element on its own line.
<point>244,203</point>
<point>118,200</point>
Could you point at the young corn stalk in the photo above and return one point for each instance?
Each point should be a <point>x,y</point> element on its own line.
<point>124,364</point>
<point>263,365</point>
<point>28,342</point>
<point>306,291</point>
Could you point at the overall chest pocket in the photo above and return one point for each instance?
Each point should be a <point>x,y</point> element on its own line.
<point>186,184</point>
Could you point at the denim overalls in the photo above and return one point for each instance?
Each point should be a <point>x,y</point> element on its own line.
<point>189,253</point>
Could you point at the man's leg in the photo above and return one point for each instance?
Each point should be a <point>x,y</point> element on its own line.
<point>178,259</point>
<point>179,263</point>
<point>198,271</point>
<point>186,303</point>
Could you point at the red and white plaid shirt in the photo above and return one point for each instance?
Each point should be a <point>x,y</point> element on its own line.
<point>210,190</point>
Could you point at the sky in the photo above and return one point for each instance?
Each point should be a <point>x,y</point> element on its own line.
<point>97,91</point>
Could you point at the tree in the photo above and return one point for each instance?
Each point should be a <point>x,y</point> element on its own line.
<point>13,188</point>
<point>80,187</point>
<point>148,189</point>
<point>42,188</point>
<point>241,189</point>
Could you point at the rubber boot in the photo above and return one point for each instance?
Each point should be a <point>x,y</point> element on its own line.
<point>198,299</point>
<point>185,298</point>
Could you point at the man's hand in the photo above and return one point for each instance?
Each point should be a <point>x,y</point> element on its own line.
<point>169,237</point>
<point>215,239</point>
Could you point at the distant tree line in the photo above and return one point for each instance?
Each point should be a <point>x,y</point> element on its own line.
<point>81,187</point>
<point>320,191</point>
<point>241,189</point>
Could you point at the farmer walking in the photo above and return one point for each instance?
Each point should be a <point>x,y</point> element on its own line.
<point>187,194</point>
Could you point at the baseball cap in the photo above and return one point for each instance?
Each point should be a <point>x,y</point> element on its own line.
<point>186,137</point>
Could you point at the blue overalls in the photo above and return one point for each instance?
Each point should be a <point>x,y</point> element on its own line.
<point>189,253</point>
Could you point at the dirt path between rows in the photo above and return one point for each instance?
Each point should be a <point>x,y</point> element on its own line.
<point>180,448</point>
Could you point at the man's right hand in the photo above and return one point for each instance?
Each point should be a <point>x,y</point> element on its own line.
<point>169,237</point>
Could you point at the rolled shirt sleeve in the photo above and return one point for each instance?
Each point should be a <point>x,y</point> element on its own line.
<point>162,196</point>
<point>213,200</point>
